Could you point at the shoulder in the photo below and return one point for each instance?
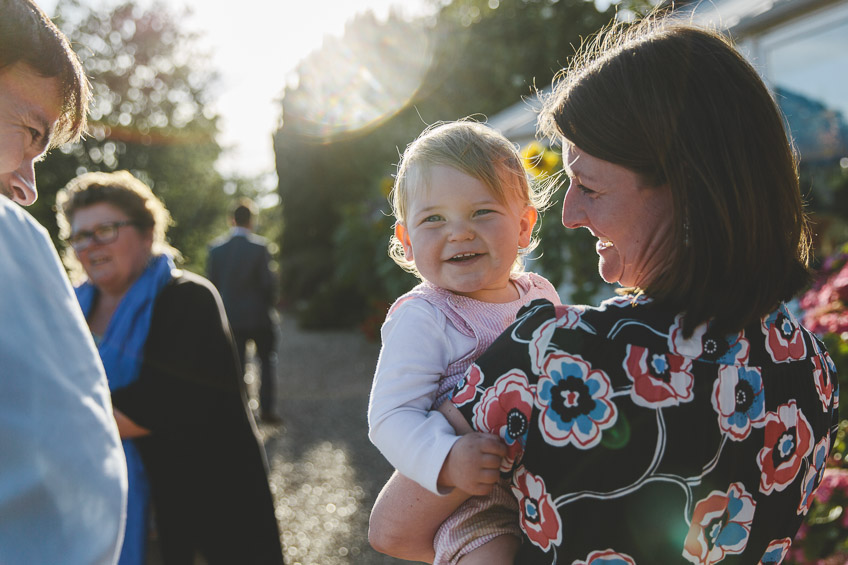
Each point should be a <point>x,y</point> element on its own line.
<point>257,240</point>
<point>576,327</point>
<point>413,304</point>
<point>29,263</point>
<point>218,242</point>
<point>413,310</point>
<point>17,224</point>
<point>423,297</point>
<point>187,286</point>
<point>538,286</point>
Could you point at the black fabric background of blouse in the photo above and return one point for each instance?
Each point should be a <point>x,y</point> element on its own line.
<point>647,523</point>
<point>207,470</point>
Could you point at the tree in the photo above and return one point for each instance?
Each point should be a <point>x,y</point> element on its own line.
<point>148,115</point>
<point>476,57</point>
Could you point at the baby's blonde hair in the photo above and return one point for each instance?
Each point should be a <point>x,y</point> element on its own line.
<point>476,150</point>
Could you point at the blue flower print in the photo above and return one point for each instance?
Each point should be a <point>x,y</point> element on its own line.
<point>739,400</point>
<point>607,557</point>
<point>721,524</point>
<point>776,552</point>
<point>814,475</point>
<point>574,402</point>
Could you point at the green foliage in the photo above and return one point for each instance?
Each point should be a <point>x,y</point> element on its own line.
<point>823,536</point>
<point>479,60</point>
<point>148,115</point>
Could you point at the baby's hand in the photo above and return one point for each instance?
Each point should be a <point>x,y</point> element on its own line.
<point>473,463</point>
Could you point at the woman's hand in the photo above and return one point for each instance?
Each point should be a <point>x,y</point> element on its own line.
<point>128,429</point>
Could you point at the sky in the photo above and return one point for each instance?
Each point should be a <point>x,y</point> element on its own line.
<point>255,46</point>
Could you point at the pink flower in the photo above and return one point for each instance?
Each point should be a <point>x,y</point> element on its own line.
<point>824,305</point>
<point>834,480</point>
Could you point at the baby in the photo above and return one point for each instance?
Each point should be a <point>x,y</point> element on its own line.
<point>465,212</point>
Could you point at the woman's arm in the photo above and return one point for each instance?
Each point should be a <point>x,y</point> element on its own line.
<point>406,516</point>
<point>189,373</point>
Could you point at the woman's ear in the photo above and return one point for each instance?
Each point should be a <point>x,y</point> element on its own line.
<point>528,220</point>
<point>147,238</point>
<point>403,236</point>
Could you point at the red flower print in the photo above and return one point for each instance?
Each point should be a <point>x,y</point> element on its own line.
<point>691,347</point>
<point>505,410</point>
<point>788,440</point>
<point>709,345</point>
<point>466,389</point>
<point>568,317</point>
<point>539,344</point>
<point>721,524</point>
<point>539,518</point>
<point>824,385</point>
<point>658,379</point>
<point>784,338</point>
<point>606,557</point>
<point>624,301</point>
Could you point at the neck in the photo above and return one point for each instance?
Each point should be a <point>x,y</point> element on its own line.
<point>104,307</point>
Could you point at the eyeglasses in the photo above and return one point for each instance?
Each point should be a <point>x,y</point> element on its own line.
<point>102,234</point>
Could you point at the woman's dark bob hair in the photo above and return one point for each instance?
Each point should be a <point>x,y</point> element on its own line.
<point>680,106</point>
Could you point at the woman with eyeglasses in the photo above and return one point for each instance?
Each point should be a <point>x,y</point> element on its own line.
<point>177,392</point>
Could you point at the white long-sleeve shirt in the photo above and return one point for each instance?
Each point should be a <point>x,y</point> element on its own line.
<point>420,343</point>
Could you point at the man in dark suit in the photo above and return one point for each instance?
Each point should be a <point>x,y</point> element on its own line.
<point>239,266</point>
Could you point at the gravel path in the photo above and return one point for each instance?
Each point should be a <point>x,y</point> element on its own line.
<point>325,473</point>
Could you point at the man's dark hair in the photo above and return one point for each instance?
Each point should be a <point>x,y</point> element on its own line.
<point>243,212</point>
<point>28,36</point>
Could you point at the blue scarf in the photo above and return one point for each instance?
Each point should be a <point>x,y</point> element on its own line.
<point>122,350</point>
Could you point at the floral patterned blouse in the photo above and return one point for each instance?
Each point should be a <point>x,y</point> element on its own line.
<point>630,443</point>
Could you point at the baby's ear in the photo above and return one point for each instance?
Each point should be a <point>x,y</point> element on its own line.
<point>528,220</point>
<point>403,236</point>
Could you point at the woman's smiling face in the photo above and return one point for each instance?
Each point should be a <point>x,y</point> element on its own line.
<point>631,219</point>
<point>112,267</point>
